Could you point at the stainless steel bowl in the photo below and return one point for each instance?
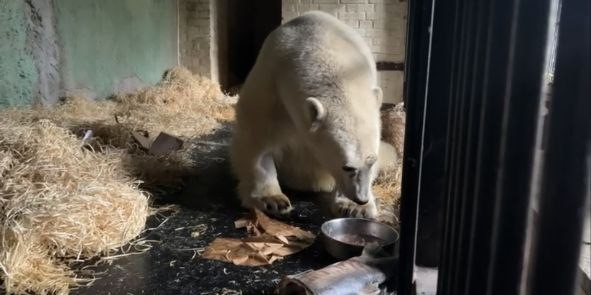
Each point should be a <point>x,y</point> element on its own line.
<point>344,238</point>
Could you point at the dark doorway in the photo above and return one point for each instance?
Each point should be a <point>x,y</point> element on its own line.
<point>242,26</point>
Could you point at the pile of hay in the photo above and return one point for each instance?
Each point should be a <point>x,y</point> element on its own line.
<point>64,199</point>
<point>387,185</point>
<point>59,201</point>
<point>181,104</point>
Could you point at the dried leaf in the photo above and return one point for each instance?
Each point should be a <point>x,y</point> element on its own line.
<point>270,241</point>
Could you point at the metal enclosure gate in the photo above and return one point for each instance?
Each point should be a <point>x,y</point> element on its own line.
<point>474,76</point>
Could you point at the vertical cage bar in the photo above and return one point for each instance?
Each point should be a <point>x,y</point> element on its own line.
<point>417,53</point>
<point>567,158</point>
<point>494,94</point>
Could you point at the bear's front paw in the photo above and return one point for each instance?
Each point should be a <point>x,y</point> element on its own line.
<point>347,208</point>
<point>275,204</point>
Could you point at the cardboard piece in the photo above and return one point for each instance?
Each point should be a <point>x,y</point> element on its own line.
<point>270,240</point>
<point>142,138</point>
<point>163,144</point>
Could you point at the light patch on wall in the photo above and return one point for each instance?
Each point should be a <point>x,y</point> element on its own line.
<point>17,70</point>
<point>106,42</point>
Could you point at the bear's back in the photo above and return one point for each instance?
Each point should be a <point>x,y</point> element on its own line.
<point>318,48</point>
<point>317,32</point>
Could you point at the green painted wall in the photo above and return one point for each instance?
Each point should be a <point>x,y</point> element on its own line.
<point>17,69</point>
<point>103,42</point>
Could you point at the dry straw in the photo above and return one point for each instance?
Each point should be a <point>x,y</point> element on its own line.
<point>63,199</point>
<point>387,185</point>
<point>59,200</point>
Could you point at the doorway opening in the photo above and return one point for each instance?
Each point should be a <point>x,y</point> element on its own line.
<point>241,28</point>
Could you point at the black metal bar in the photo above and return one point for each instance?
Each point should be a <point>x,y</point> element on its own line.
<point>493,84</point>
<point>417,50</point>
<point>432,190</point>
<point>567,161</point>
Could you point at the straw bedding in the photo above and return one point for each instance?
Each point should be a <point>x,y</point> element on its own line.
<point>387,185</point>
<point>182,104</point>
<point>59,200</point>
<point>65,199</point>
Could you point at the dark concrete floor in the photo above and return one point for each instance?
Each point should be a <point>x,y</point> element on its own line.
<point>173,265</point>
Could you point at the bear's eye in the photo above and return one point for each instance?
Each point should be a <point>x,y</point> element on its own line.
<point>349,169</point>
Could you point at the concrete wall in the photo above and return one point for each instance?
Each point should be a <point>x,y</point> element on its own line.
<point>93,48</point>
<point>17,69</point>
<point>382,23</point>
<point>53,48</point>
<point>112,46</point>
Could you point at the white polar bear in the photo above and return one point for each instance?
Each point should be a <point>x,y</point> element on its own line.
<point>308,117</point>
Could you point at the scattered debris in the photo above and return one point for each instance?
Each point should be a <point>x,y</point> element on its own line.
<point>87,135</point>
<point>270,241</point>
<point>223,291</point>
<point>199,231</point>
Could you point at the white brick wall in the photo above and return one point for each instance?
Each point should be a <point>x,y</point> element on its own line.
<point>382,23</point>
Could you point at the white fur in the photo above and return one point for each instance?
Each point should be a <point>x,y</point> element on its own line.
<point>309,106</point>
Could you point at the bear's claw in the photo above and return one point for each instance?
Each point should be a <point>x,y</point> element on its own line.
<point>276,204</point>
<point>347,208</point>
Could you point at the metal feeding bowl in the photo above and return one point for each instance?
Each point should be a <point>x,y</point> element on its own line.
<point>344,238</point>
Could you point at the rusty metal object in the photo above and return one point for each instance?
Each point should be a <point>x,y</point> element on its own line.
<point>351,276</point>
<point>361,275</point>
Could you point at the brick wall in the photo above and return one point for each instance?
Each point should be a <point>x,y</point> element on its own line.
<point>195,36</point>
<point>382,23</point>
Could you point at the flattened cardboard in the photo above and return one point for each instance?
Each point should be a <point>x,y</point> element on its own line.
<point>165,144</point>
<point>270,240</point>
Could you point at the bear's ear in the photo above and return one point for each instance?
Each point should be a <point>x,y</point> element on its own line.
<point>377,92</point>
<point>317,113</point>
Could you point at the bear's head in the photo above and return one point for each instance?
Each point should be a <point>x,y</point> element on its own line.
<point>345,138</point>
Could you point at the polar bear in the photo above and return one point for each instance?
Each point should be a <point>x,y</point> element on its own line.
<point>308,118</point>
